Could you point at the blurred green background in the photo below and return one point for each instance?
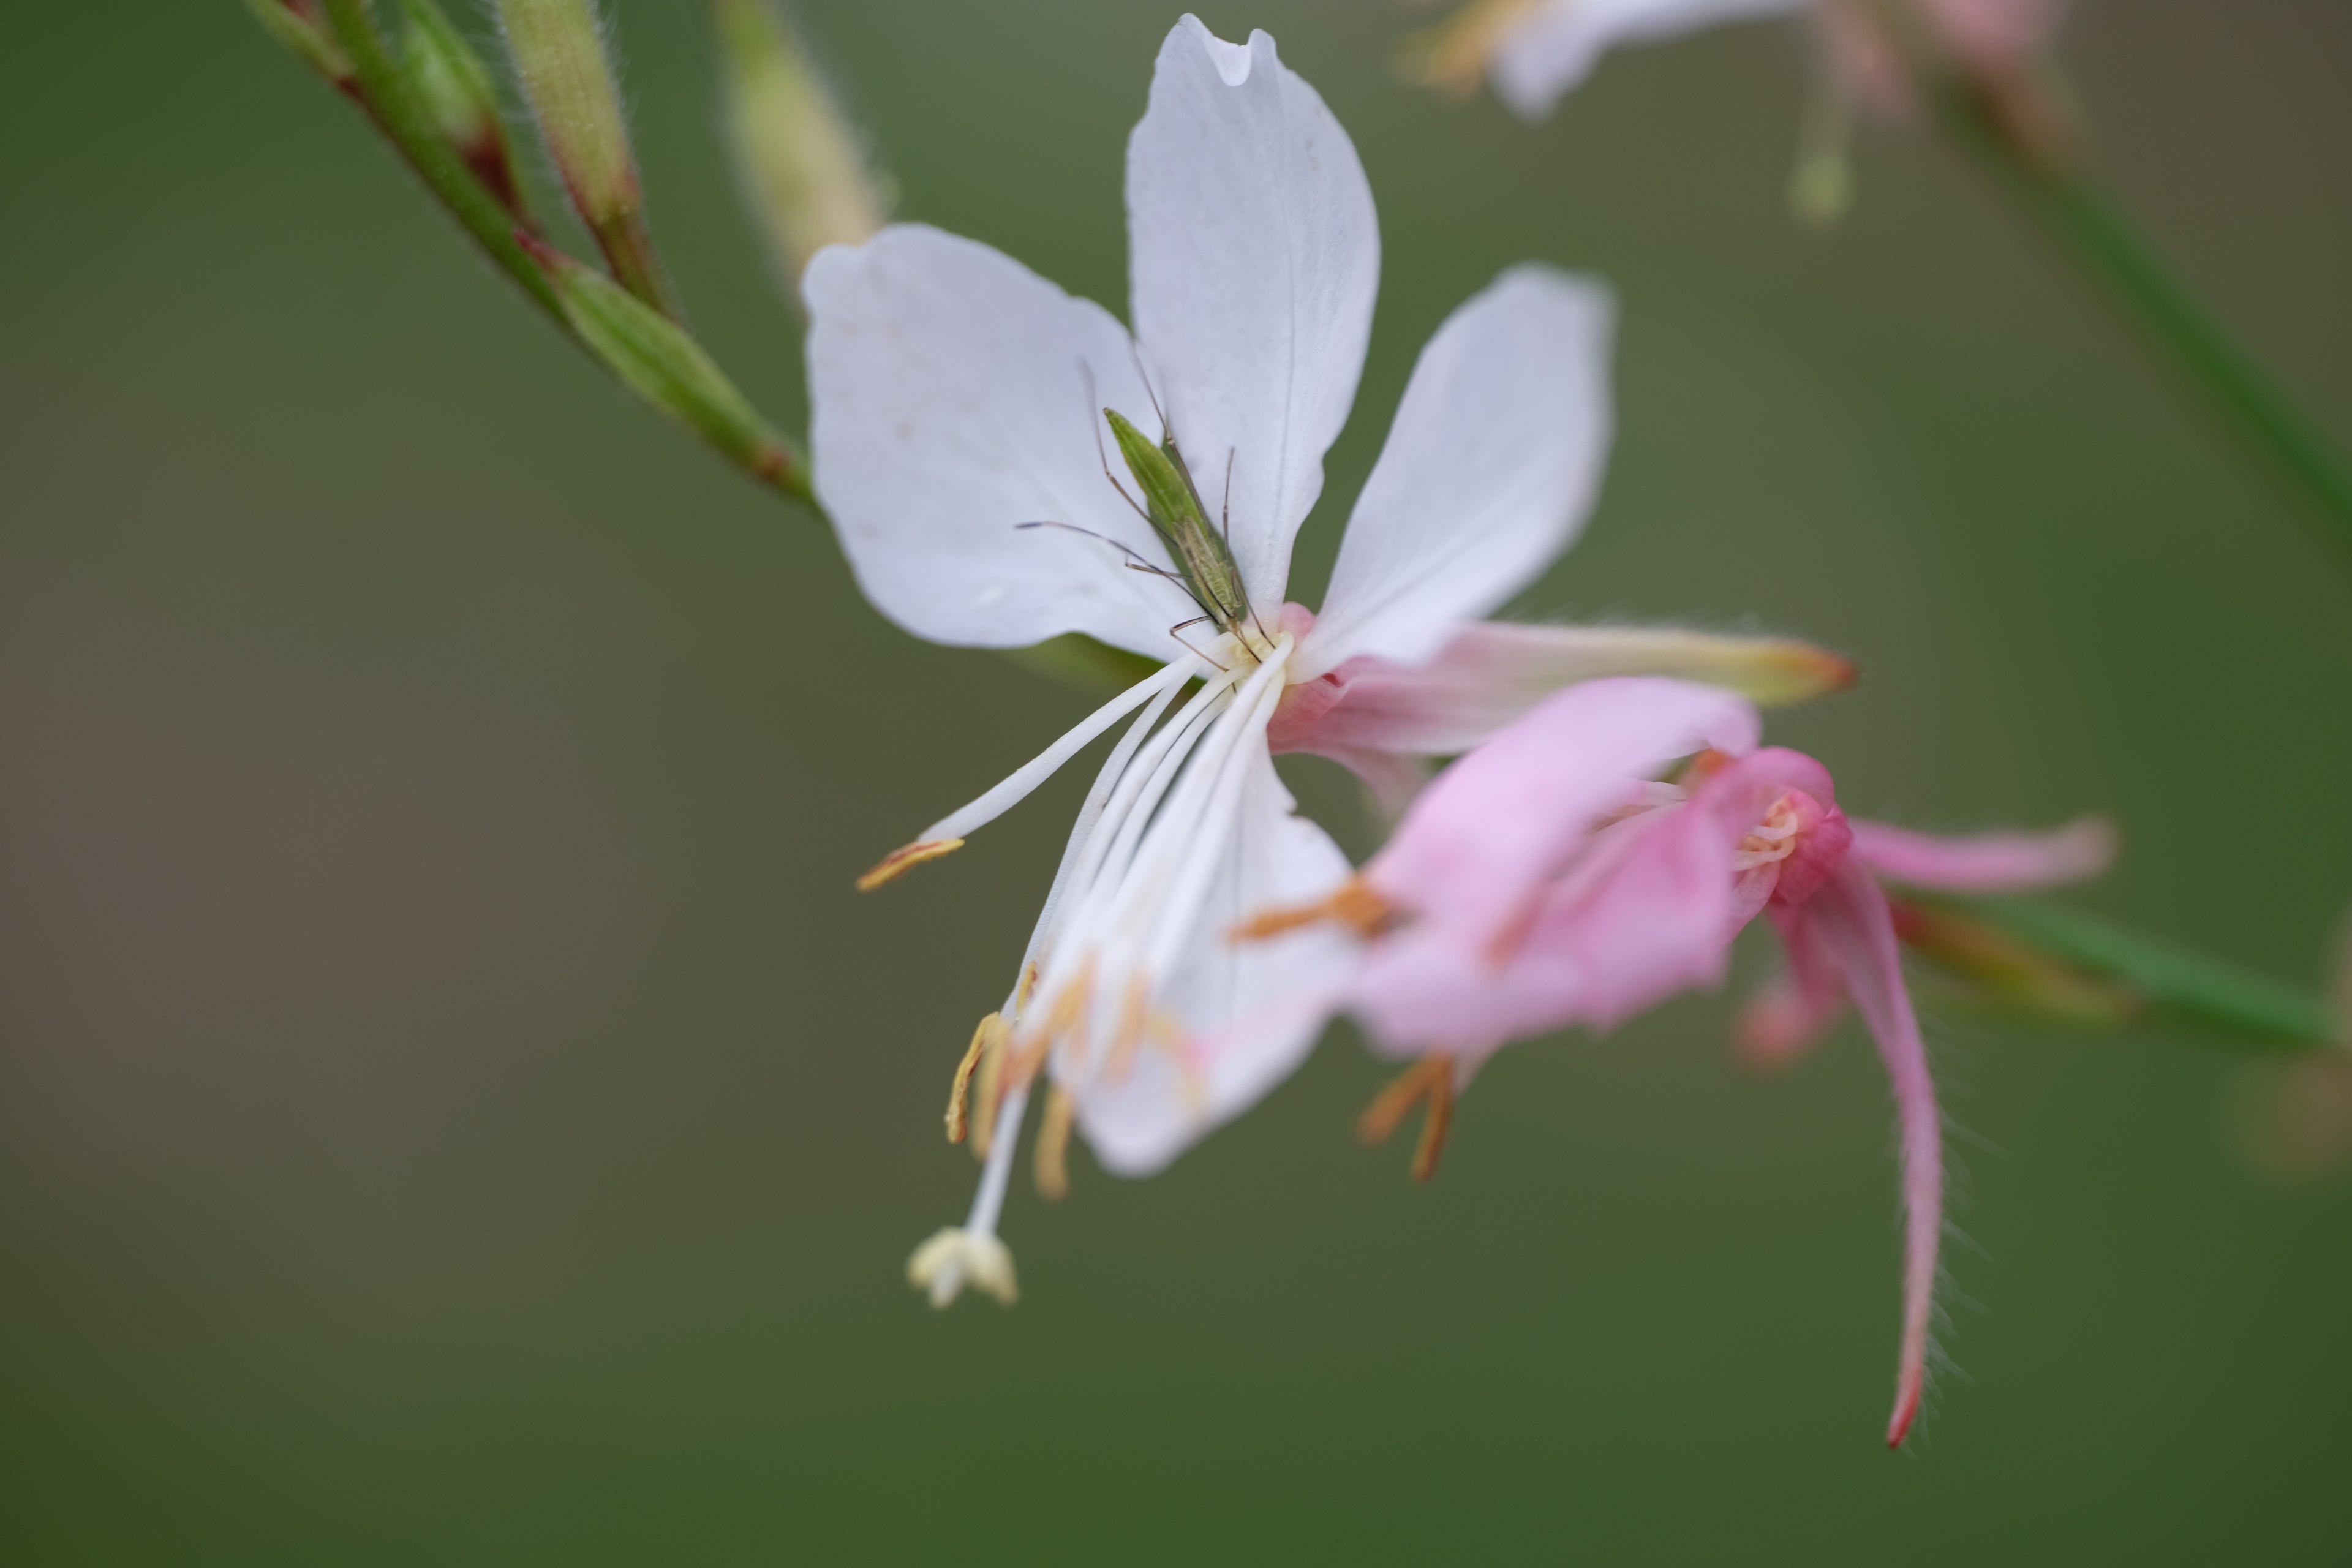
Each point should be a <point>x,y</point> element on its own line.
<point>453,1108</point>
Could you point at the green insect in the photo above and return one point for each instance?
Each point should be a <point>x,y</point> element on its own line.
<point>1171,504</point>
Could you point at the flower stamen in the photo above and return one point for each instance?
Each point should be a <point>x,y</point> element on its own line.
<point>1358,905</point>
<point>1429,1081</point>
<point>1053,1151</point>
<point>986,1040</point>
<point>956,1257</point>
<point>1772,840</point>
<point>905,858</point>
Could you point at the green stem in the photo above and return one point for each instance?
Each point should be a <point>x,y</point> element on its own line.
<point>2249,1009</point>
<point>383,88</point>
<point>385,91</point>
<point>2071,210</point>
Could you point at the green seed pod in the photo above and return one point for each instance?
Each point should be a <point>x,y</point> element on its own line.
<point>559,54</point>
<point>456,87</point>
<point>806,177</point>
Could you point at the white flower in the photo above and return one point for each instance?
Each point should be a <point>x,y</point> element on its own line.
<point>993,454</point>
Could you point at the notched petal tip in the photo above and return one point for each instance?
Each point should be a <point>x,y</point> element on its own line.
<point>905,858</point>
<point>954,1258</point>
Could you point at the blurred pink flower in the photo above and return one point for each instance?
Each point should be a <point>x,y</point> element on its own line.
<point>1780,1021</point>
<point>1550,878</point>
<point>1536,51</point>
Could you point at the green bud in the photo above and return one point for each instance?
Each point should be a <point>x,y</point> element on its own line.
<point>2167,979</point>
<point>657,361</point>
<point>559,54</point>
<point>298,26</point>
<point>2013,975</point>
<point>458,90</point>
<point>1173,503</point>
<point>805,175</point>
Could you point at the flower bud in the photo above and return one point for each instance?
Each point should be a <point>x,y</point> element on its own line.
<point>456,86</point>
<point>2169,980</point>
<point>297,25</point>
<point>2010,973</point>
<point>805,174</point>
<point>559,54</point>
<point>656,359</point>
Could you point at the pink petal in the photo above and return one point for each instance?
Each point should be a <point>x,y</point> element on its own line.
<point>1989,862</point>
<point>1791,1010</point>
<point>1823,839</point>
<point>1645,908</point>
<point>1850,918</point>
<point>1996,34</point>
<point>1505,820</point>
<point>1492,673</point>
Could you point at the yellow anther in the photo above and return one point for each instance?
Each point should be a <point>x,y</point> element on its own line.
<point>905,858</point>
<point>1064,1019</point>
<point>1053,1146</point>
<point>1774,838</point>
<point>1358,905</point>
<point>989,1094</point>
<point>986,1039</point>
<point>1429,1081</point>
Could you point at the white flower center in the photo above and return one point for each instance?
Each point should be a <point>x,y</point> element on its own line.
<point>1131,892</point>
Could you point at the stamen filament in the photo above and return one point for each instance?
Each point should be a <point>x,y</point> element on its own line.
<point>1026,778</point>
<point>1053,1151</point>
<point>1428,1082</point>
<point>1357,905</point>
<point>906,857</point>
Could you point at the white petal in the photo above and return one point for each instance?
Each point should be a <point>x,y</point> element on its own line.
<point>949,397</point>
<point>1254,256</point>
<point>1557,48</point>
<point>1489,471</point>
<point>1253,1011</point>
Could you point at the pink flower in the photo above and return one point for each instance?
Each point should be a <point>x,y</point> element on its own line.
<point>1536,51</point>
<point>1883,55</point>
<point>1553,877</point>
<point>1782,1020</point>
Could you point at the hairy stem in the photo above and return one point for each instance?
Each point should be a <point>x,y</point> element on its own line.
<point>384,88</point>
<point>385,91</point>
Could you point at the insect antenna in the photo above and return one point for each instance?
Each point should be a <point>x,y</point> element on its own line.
<point>1196,621</point>
<point>1135,560</point>
<point>1225,526</point>
<point>1135,352</point>
<point>1225,510</point>
<point>1102,453</point>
